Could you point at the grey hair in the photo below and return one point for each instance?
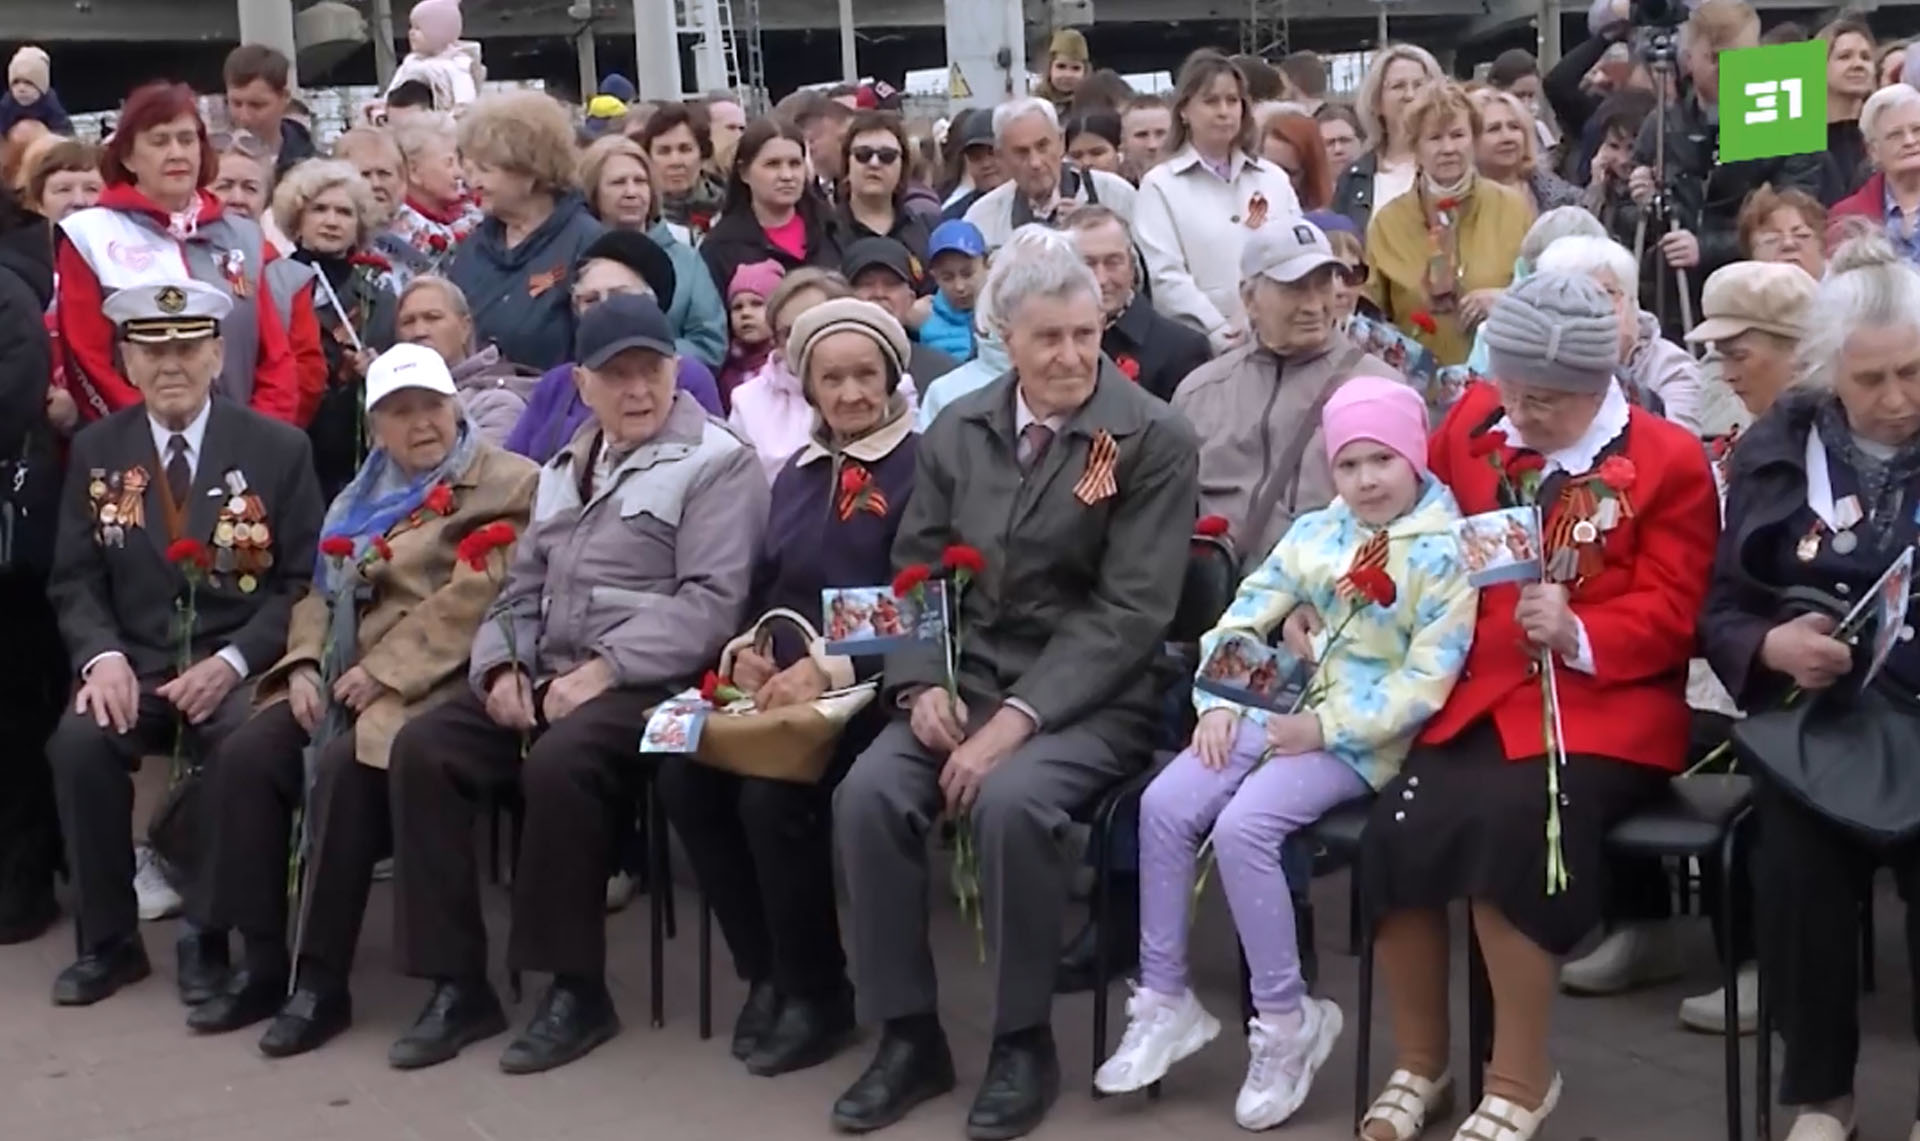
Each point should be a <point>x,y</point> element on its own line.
<point>1559,222</point>
<point>414,136</point>
<point>1007,113</point>
<point>1035,262</point>
<point>456,297</point>
<point>1890,98</point>
<point>1585,256</point>
<point>1868,285</point>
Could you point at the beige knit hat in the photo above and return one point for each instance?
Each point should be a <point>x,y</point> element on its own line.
<point>31,64</point>
<point>847,315</point>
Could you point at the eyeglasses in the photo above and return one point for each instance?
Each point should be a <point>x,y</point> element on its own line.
<point>585,299</point>
<point>1773,241</point>
<point>1355,275</point>
<point>1534,402</point>
<point>884,156</point>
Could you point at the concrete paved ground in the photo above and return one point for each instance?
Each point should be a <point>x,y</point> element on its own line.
<point>128,1068</point>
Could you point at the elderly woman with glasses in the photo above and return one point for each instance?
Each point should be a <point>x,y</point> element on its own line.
<point>1890,200</point>
<point>1819,506</point>
<point>1785,226</point>
<point>618,263</point>
<point>1480,812</point>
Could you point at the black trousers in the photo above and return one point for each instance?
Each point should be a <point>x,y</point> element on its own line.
<point>763,852</point>
<point>93,784</point>
<point>579,776</point>
<point>254,791</point>
<point>34,679</point>
<point>1816,875</point>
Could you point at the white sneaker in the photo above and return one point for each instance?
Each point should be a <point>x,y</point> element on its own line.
<point>1160,1032</point>
<point>1707,1013</point>
<point>1281,1070</point>
<point>1815,1126</point>
<point>620,889</point>
<point>1642,954</point>
<point>157,898</point>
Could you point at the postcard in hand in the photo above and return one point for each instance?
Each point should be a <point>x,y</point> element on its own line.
<point>864,620</point>
<point>1500,546</point>
<point>1409,357</point>
<point>674,727</point>
<point>1886,604</point>
<point>1448,385</point>
<point>1244,670</point>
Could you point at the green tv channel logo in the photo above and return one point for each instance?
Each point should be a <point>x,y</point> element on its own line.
<point>1773,101</point>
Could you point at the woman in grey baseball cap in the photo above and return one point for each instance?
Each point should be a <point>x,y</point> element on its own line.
<point>1626,504</point>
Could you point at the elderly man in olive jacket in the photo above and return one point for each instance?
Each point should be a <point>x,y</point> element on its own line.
<point>1079,490</point>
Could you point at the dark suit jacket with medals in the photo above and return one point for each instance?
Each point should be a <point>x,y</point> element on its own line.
<point>1083,574</point>
<point>255,507</point>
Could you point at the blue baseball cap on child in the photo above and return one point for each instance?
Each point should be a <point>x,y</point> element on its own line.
<point>956,236</point>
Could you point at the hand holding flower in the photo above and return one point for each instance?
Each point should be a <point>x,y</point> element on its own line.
<point>1546,618</point>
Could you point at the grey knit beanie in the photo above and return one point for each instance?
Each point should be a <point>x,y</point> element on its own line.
<point>848,315</point>
<point>1554,330</point>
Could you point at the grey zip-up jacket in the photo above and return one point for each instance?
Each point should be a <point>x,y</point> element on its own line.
<point>651,573</point>
<point>1246,407</point>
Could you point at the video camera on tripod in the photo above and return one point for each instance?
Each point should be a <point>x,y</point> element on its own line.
<point>1658,24</point>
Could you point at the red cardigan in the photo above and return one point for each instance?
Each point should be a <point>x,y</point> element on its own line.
<point>1869,202</point>
<point>1639,611</point>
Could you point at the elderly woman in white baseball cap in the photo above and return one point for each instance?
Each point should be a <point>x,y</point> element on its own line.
<point>390,550</point>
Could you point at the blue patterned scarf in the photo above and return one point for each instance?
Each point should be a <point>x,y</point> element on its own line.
<point>381,495</point>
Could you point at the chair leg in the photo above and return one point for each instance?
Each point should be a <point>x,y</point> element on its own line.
<point>706,969</point>
<point>493,843</point>
<point>1102,914</point>
<point>1730,979</point>
<point>1306,940</point>
<point>1479,1014</point>
<point>1356,918</point>
<point>656,905</point>
<point>1763,1066</point>
<point>1363,1044</point>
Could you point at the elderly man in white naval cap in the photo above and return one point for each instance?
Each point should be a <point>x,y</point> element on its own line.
<point>187,532</point>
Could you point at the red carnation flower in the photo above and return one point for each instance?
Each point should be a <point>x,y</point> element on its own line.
<point>1211,526</point>
<point>189,553</point>
<point>1375,585</point>
<point>911,579</point>
<point>1423,321</point>
<point>482,541</point>
<point>1129,367</point>
<point>335,547</point>
<point>1447,204</point>
<point>499,533</point>
<point>853,478</point>
<point>439,500</point>
<point>382,549</point>
<point>961,558</point>
<point>1520,463</point>
<point>709,686</point>
<point>437,243</point>
<point>1487,443</point>
<point>1618,473</point>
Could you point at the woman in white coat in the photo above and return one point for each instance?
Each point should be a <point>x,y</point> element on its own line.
<point>1195,210</point>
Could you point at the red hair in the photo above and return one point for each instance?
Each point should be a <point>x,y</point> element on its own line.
<point>150,106</point>
<point>1302,133</point>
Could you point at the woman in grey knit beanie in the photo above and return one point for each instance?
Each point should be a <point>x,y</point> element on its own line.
<point>1629,512</point>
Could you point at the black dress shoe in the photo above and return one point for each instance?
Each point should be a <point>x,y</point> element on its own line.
<point>572,1019</point>
<point>458,1014</point>
<point>910,1066</point>
<point>755,1019</point>
<point>808,1032</point>
<point>202,966</point>
<point>99,973</point>
<point>248,998</point>
<point>306,1021</point>
<point>1023,1079</point>
<point>1074,973</point>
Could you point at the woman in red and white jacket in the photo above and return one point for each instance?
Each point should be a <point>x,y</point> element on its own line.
<point>156,222</point>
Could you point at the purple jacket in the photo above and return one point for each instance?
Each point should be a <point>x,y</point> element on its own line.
<point>555,411</point>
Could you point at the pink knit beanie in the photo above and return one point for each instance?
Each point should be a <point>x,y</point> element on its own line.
<point>439,21</point>
<point>1378,409</point>
<point>758,278</point>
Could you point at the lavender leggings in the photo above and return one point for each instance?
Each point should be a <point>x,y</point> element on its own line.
<point>1252,810</point>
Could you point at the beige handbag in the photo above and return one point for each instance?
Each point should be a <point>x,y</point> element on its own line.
<point>794,743</point>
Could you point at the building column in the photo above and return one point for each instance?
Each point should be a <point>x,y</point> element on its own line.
<point>656,39</point>
<point>270,22</point>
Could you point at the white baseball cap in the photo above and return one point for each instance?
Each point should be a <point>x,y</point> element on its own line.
<point>1286,250</point>
<point>408,366</point>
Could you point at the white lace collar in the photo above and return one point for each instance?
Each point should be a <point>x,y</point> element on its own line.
<point>1578,457</point>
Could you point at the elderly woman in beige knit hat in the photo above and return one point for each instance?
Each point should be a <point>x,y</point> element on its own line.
<point>1479,812</point>
<point>763,848</point>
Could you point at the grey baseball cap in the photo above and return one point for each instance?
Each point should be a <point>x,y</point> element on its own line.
<point>1286,250</point>
<point>621,322</point>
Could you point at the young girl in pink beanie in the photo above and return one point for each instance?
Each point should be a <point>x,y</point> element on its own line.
<point>751,339</point>
<point>1381,563</point>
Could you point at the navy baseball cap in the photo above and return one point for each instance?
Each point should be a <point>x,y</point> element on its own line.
<point>956,236</point>
<point>621,322</point>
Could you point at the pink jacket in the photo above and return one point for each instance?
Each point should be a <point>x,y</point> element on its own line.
<point>773,416</point>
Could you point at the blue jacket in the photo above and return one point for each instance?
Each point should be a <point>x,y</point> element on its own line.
<point>522,298</point>
<point>988,366</point>
<point>948,329</point>
<point>47,109</point>
<point>698,314</point>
